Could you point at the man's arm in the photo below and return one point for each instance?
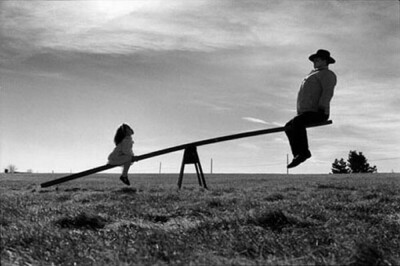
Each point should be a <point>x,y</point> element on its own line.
<point>328,83</point>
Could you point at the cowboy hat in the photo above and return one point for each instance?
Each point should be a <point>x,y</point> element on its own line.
<point>324,54</point>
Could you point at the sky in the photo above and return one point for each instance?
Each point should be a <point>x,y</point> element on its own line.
<point>180,71</point>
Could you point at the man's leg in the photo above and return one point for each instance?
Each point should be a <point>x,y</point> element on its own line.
<point>298,136</point>
<point>291,135</point>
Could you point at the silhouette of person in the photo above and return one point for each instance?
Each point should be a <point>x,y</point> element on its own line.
<point>313,105</point>
<point>122,153</point>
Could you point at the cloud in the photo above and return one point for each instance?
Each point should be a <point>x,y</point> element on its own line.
<point>260,121</point>
<point>118,27</point>
<point>131,26</point>
<point>256,120</point>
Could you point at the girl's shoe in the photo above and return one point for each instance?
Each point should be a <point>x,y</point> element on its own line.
<point>125,180</point>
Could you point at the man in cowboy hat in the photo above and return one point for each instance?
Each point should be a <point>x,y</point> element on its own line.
<point>313,100</point>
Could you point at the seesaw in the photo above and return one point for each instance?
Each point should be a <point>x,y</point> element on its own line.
<point>190,155</point>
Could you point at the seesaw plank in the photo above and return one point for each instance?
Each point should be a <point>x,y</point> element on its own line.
<point>219,139</point>
<point>77,175</point>
<point>174,149</point>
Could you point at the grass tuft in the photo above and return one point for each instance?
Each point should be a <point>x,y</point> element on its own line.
<point>82,220</point>
<point>276,220</point>
<point>214,203</point>
<point>368,254</point>
<point>157,218</point>
<point>4,221</point>
<point>127,190</point>
<point>335,186</point>
<point>75,189</point>
<point>274,197</point>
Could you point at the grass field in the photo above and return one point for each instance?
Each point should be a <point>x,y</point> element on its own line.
<point>242,220</point>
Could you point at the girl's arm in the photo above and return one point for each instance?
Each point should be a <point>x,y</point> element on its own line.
<point>126,146</point>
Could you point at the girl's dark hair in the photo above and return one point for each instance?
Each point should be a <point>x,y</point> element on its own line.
<point>121,133</point>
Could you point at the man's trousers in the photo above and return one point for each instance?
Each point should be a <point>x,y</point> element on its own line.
<point>297,134</point>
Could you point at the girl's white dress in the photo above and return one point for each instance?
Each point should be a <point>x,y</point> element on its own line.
<point>122,153</point>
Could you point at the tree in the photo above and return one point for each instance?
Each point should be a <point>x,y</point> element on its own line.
<point>359,164</point>
<point>340,167</point>
<point>12,168</point>
<point>356,163</point>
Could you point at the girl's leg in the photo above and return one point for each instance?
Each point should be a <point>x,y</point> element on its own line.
<point>125,168</point>
<point>124,176</point>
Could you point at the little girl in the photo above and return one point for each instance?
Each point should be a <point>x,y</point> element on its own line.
<point>122,154</point>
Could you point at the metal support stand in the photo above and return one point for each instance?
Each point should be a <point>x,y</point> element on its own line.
<point>190,156</point>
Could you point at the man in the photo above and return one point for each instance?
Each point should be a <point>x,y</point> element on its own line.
<point>313,100</point>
